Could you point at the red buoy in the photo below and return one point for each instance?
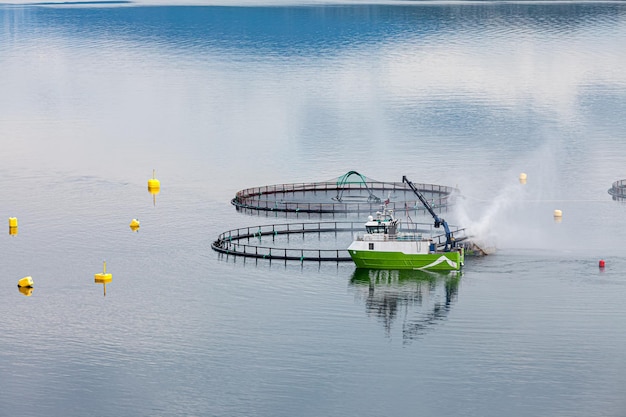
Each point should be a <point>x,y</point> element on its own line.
<point>601,263</point>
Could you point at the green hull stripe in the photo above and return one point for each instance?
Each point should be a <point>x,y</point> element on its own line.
<point>448,261</point>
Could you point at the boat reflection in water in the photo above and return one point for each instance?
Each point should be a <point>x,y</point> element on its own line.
<point>420,299</point>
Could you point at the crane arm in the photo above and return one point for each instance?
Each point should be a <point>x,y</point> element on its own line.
<point>438,221</point>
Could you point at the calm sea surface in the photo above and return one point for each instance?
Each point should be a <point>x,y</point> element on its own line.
<point>217,99</point>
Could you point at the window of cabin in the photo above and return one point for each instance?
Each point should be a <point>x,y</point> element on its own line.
<point>376,229</point>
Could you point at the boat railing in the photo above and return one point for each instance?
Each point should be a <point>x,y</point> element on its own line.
<point>459,235</point>
<point>403,237</point>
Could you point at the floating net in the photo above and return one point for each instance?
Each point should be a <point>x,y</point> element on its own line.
<point>618,190</point>
<point>349,193</point>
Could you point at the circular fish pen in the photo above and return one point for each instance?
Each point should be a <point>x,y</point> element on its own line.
<point>248,241</point>
<point>349,193</point>
<point>618,190</point>
<point>264,241</point>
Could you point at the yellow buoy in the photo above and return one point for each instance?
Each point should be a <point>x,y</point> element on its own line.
<point>27,291</point>
<point>103,277</point>
<point>13,226</point>
<point>25,282</point>
<point>154,185</point>
<point>134,225</point>
<point>522,178</point>
<point>558,213</point>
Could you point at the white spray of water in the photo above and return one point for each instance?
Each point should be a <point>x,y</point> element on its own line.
<point>517,214</point>
<point>490,224</point>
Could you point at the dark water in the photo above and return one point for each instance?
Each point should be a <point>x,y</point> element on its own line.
<point>217,99</point>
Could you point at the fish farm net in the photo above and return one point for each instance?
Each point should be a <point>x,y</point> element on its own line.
<point>349,193</point>
<point>618,190</point>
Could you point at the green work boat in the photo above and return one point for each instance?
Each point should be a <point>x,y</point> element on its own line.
<point>383,246</point>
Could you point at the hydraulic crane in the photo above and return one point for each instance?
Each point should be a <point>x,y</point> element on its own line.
<point>438,221</point>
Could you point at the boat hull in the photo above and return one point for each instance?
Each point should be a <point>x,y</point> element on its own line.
<point>439,261</point>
